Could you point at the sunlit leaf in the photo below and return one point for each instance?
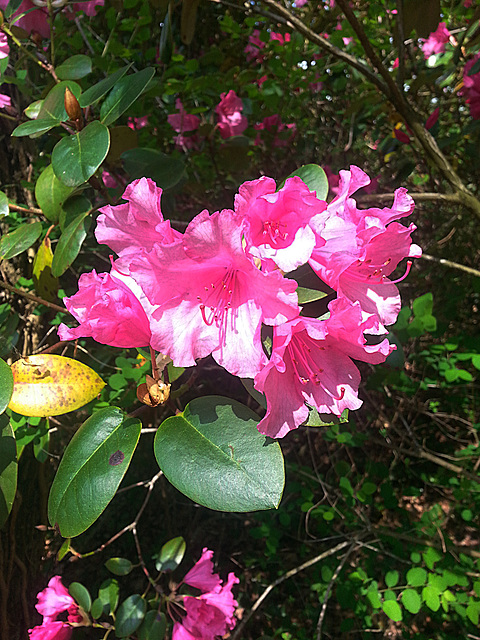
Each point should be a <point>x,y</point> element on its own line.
<point>124,93</point>
<point>51,194</point>
<point>3,204</point>
<point>70,243</point>
<point>171,554</point>
<point>93,94</point>
<point>51,385</point>
<point>46,285</point>
<point>129,615</point>
<point>18,241</point>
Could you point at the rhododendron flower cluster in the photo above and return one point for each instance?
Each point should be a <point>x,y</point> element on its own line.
<point>53,601</point>
<point>471,90</point>
<point>211,289</point>
<point>183,122</point>
<point>4,48</point>
<point>231,122</point>
<point>211,614</point>
<point>436,41</point>
<point>274,125</point>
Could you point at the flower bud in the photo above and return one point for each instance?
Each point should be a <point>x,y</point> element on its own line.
<point>72,107</point>
<point>153,392</point>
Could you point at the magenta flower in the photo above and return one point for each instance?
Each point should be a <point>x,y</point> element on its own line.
<point>436,41</point>
<point>229,112</point>
<point>311,363</point>
<point>280,37</point>
<point>211,297</point>
<point>137,123</point>
<point>212,613</point>
<point>110,309</point>
<point>184,122</point>
<point>277,222</point>
<point>254,46</point>
<point>273,125</point>
<point>53,601</point>
<point>35,21</point>
<point>5,101</point>
<point>471,88</point>
<point>361,251</point>
<point>4,48</point>
<point>138,224</point>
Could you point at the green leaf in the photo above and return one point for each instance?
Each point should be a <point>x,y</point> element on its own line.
<point>393,610</point>
<point>11,8</point>
<point>374,598</point>
<point>108,593</point>
<point>74,68</point>
<point>431,556</point>
<point>171,554</point>
<point>309,295</point>
<point>130,615</point>
<point>430,597</point>
<point>73,207</point>
<point>64,549</point>
<point>51,194</point>
<point>6,385</point>
<point>93,94</point>
<point>124,93</point>
<point>4,210</point>
<point>165,170</point>
<point>411,600</point>
<point>33,109</point>
<point>119,566</point>
<point>473,611</point>
<point>8,468</point>
<point>416,577</point>
<point>54,104</point>
<point>391,578</point>
<point>91,470</point>
<point>70,243</point>
<point>18,241</point>
<point>96,610</point>
<point>423,306</point>
<point>214,454</point>
<point>81,595</point>
<point>153,626</point>
<point>76,158</point>
<point>314,177</point>
<point>40,125</point>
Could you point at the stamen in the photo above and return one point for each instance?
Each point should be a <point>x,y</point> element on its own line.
<point>342,393</point>
<point>407,271</point>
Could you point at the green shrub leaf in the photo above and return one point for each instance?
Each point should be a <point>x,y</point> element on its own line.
<point>18,241</point>
<point>124,93</point>
<point>130,615</point>
<point>8,468</point>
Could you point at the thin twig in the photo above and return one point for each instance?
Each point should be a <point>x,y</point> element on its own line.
<point>336,573</point>
<point>30,296</point>
<point>452,265</point>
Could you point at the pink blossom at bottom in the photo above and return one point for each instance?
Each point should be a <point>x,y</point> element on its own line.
<point>211,614</point>
<point>311,363</point>
<point>55,630</point>
<point>5,101</point>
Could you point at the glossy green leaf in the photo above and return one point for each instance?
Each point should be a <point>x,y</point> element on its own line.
<point>91,470</point>
<point>76,158</point>
<point>153,626</point>
<point>393,610</point>
<point>81,595</point>
<point>411,600</point>
<point>41,125</point>
<point>72,209</point>
<point>93,94</point>
<point>64,549</point>
<point>33,109</point>
<point>165,170</point>
<point>119,566</point>
<point>431,598</point>
<point>3,204</point>
<point>18,241</point>
<point>392,578</point>
<point>108,593</point>
<point>124,93</point>
<point>171,554</point>
<point>54,104</point>
<point>6,385</point>
<point>314,177</point>
<point>214,454</point>
<point>416,577</point>
<point>8,468</point>
<point>51,194</point>
<point>96,610</point>
<point>74,68</point>
<point>70,243</point>
<point>130,615</point>
<point>309,295</point>
<point>473,611</point>
<point>11,8</point>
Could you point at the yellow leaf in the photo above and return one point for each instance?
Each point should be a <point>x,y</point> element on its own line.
<point>45,284</point>
<point>49,385</point>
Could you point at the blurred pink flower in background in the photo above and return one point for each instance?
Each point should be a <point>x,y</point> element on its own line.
<point>183,122</point>
<point>231,122</point>
<point>211,614</point>
<point>137,123</point>
<point>4,48</point>
<point>274,125</point>
<point>436,41</point>
<point>5,101</point>
<point>471,88</point>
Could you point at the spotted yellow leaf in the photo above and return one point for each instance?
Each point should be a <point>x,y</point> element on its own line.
<point>49,385</point>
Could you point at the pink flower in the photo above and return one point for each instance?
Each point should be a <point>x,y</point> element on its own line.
<point>4,48</point>
<point>361,251</point>
<point>254,46</point>
<point>436,41</point>
<point>212,298</point>
<point>89,8</point>
<point>432,118</point>
<point>35,21</point>
<point>311,363</point>
<point>279,37</point>
<point>229,112</point>
<point>183,122</point>
<point>138,224</point>
<point>211,614</point>
<point>5,101</point>
<point>471,89</point>
<point>467,4</point>
<point>110,309</point>
<point>137,123</point>
<point>300,3</point>
<point>277,222</point>
<point>51,631</point>
<point>274,125</point>
<point>333,179</point>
